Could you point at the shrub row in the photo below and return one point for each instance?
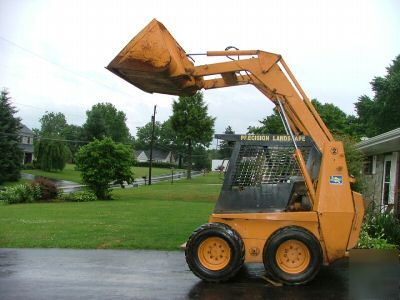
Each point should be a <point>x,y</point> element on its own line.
<point>41,190</point>
<point>21,193</point>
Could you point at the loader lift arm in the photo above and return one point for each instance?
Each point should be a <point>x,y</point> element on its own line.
<point>269,73</point>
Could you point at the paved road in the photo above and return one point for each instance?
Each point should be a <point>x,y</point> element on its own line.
<point>120,274</point>
<point>71,187</point>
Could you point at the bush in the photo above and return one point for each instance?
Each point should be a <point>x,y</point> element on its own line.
<point>103,162</point>
<point>379,230</point>
<point>48,188</point>
<point>385,225</point>
<point>368,242</point>
<point>36,191</point>
<point>20,193</point>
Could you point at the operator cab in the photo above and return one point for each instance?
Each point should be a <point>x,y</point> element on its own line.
<point>263,175</point>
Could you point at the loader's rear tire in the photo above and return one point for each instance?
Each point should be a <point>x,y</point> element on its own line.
<point>215,252</point>
<point>292,256</point>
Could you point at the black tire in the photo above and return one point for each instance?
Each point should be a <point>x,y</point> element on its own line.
<point>224,232</point>
<point>307,239</point>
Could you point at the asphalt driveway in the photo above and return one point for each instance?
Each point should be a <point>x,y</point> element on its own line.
<point>121,274</point>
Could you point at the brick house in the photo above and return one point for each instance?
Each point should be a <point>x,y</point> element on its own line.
<point>382,170</point>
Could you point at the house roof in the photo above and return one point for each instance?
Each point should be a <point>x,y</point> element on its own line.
<point>383,143</point>
<point>157,154</point>
<point>138,152</point>
<point>26,131</point>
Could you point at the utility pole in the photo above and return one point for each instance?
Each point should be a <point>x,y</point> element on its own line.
<point>153,120</point>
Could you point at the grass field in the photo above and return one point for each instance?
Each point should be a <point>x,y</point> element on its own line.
<point>161,216</point>
<point>69,173</point>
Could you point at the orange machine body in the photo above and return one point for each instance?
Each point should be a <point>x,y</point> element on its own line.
<point>155,62</point>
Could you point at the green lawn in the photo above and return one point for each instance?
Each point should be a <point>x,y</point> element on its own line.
<point>69,173</point>
<point>161,216</point>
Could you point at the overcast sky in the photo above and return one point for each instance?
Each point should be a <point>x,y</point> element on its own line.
<point>53,53</point>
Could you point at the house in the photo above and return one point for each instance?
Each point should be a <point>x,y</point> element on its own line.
<point>158,156</point>
<point>26,144</point>
<point>382,170</point>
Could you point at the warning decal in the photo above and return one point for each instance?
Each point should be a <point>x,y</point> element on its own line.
<point>336,180</point>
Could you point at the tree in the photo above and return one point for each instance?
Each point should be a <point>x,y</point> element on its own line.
<point>51,151</point>
<point>103,162</point>
<point>170,141</point>
<point>51,155</point>
<point>169,138</point>
<point>104,120</point>
<point>192,124</point>
<point>201,158</point>
<point>10,152</point>
<point>366,111</point>
<point>226,147</point>
<point>380,114</point>
<point>143,135</point>
<point>271,124</point>
<point>75,138</point>
<point>334,118</point>
<point>53,124</point>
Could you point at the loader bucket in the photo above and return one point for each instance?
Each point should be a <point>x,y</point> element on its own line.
<point>154,62</point>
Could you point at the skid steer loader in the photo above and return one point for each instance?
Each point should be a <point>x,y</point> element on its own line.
<point>286,200</point>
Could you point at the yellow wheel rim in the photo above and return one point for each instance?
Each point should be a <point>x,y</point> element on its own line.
<point>214,253</point>
<point>293,257</point>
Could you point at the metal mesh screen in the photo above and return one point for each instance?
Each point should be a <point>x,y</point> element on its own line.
<point>265,165</point>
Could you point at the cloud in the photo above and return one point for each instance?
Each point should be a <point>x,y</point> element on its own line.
<point>334,49</point>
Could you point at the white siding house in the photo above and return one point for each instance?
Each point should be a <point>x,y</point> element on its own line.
<point>158,156</point>
<point>26,144</point>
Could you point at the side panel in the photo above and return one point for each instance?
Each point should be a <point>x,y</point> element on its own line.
<point>334,201</point>
<point>357,222</point>
<point>256,228</point>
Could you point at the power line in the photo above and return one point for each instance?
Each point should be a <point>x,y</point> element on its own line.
<point>61,66</point>
<point>83,77</point>
<point>47,110</point>
<point>165,148</point>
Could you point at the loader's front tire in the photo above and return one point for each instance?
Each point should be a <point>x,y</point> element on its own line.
<point>215,252</point>
<point>292,256</point>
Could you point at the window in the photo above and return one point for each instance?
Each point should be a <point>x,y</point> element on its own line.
<point>386,182</point>
<point>367,166</point>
